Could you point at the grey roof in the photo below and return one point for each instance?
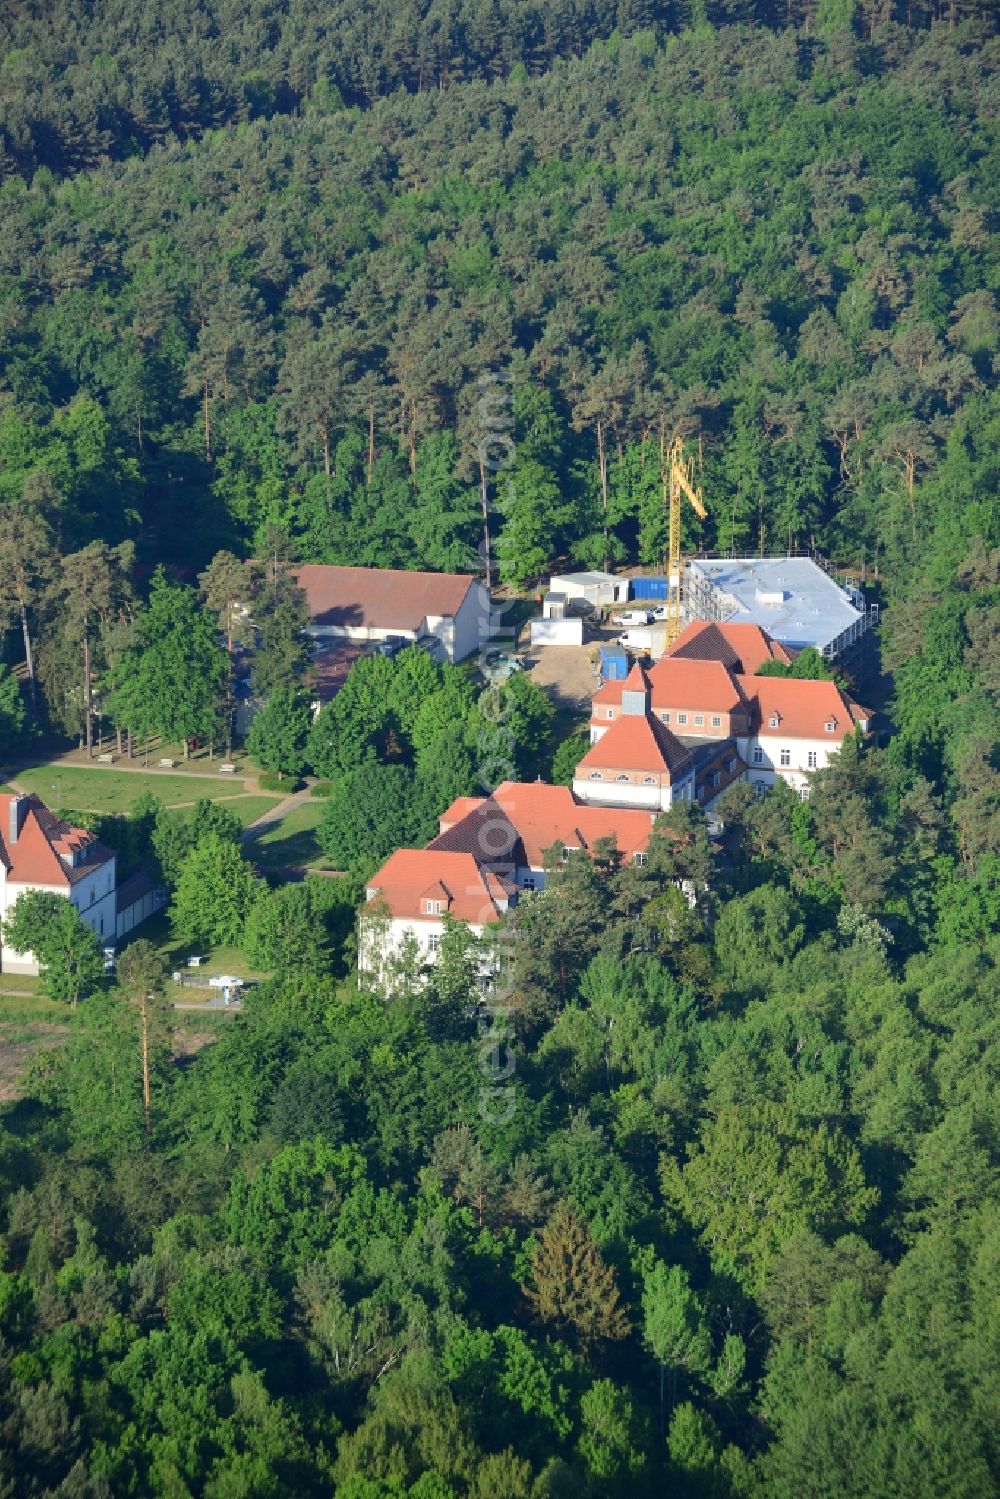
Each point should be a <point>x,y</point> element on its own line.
<point>792,598</point>
<point>582,580</point>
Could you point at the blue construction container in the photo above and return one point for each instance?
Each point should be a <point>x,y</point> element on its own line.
<point>654,589</point>
<point>614,663</point>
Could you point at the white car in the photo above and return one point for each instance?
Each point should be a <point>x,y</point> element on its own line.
<point>632,617</point>
<point>658,612</point>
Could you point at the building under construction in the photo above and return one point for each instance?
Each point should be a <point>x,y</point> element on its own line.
<point>792,598</point>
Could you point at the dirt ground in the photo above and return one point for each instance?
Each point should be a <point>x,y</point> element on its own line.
<point>567,673</point>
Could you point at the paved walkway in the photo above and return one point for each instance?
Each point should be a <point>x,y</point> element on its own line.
<point>275,814</point>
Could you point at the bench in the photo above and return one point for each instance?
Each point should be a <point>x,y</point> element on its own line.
<point>167,764</point>
<point>227,770</point>
<point>106,759</point>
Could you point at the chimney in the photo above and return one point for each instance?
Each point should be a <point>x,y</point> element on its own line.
<point>17,810</point>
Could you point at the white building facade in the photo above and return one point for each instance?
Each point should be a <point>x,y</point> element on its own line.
<point>40,852</point>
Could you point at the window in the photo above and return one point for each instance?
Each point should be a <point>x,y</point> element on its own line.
<point>649,780</point>
<point>758,755</point>
<point>699,719</point>
<point>639,859</point>
<point>803,793</point>
<point>682,718</point>
<point>665,717</point>
<point>569,848</point>
<point>830,725</point>
<point>774,720</point>
<point>760,787</point>
<point>716,721</point>
<point>434,942</point>
<point>811,759</point>
<point>786,757</point>
<point>597,775</point>
<point>716,777</point>
<point>611,712</point>
<point>623,777</point>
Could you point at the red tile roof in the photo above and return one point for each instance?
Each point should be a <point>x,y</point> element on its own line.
<point>34,859</point>
<point>524,818</point>
<point>635,742</point>
<point>679,683</point>
<point>637,680</point>
<point>460,808</point>
<point>413,875</point>
<point>803,708</point>
<point>741,647</point>
<point>380,598</point>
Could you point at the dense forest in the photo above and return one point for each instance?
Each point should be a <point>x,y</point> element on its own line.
<point>706,1202</point>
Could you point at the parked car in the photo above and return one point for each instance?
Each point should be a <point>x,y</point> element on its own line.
<point>658,612</point>
<point>631,617</point>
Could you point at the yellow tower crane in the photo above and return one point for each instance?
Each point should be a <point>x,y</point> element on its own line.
<point>677,472</point>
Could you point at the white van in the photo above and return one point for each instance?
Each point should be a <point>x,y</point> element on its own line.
<point>630,617</point>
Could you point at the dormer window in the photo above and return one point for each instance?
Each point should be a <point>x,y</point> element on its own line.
<point>639,859</point>
<point>682,718</point>
<point>432,907</point>
<point>597,775</point>
<point>649,780</point>
<point>774,721</point>
<point>623,777</point>
<point>830,725</point>
<point>699,719</point>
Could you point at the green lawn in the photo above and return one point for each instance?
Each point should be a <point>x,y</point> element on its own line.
<point>176,953</point>
<point>21,983</point>
<point>291,843</point>
<point>248,808</point>
<point>29,1008</point>
<point>85,790</point>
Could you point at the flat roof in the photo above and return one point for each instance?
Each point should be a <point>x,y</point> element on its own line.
<point>792,598</point>
<point>584,580</point>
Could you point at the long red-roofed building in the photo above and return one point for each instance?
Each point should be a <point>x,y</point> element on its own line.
<point>373,603</point>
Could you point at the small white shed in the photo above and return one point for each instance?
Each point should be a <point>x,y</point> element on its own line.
<point>595,588</point>
<point>557,631</point>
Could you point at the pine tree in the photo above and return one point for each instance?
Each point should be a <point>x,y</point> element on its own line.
<point>573,1289</point>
